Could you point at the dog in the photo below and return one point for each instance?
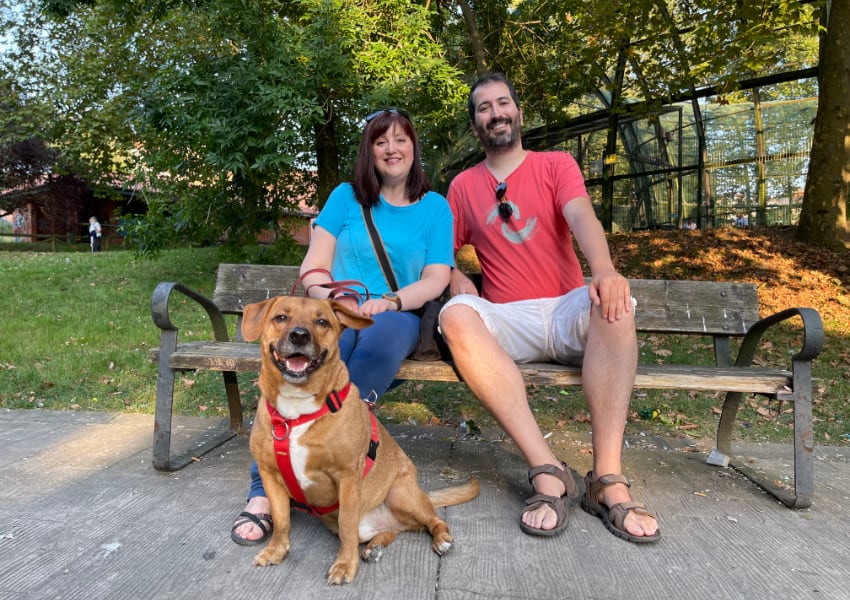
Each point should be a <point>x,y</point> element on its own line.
<point>342,465</point>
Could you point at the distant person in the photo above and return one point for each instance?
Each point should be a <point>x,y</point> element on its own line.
<point>95,234</point>
<point>18,225</point>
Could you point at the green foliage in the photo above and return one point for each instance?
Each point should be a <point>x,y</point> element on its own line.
<point>215,110</point>
<point>562,52</point>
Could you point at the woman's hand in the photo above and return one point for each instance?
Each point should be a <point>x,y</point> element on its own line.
<point>375,306</point>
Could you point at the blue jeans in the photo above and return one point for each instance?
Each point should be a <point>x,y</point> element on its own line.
<point>373,356</point>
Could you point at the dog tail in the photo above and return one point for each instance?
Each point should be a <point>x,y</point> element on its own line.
<point>455,495</point>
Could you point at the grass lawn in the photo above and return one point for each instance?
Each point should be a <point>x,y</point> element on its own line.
<point>77,333</point>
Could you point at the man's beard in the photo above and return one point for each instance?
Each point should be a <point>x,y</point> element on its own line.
<point>503,141</point>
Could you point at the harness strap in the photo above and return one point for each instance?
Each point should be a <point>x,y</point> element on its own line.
<point>281,429</point>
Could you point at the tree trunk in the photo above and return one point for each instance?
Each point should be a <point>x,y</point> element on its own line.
<point>474,38</point>
<point>327,155</point>
<point>823,219</point>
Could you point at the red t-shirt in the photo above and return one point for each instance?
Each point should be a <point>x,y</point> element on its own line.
<point>531,255</point>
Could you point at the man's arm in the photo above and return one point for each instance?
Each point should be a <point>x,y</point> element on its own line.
<point>608,289</point>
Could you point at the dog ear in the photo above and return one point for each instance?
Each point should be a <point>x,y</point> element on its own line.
<point>253,319</point>
<point>348,317</point>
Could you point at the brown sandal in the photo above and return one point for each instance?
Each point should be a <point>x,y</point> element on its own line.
<point>560,505</point>
<point>615,516</point>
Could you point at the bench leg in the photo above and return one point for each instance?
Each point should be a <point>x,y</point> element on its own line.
<point>727,422</point>
<point>234,402</point>
<point>803,441</point>
<point>162,459</point>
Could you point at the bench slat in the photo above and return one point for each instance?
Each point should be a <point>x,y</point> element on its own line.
<point>241,357</point>
<point>697,307</point>
<point>701,307</point>
<point>671,377</point>
<point>238,285</point>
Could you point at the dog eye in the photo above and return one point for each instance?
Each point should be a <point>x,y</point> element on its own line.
<point>280,318</point>
<point>323,323</point>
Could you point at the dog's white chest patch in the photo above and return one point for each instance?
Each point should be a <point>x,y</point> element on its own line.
<point>298,455</point>
<point>291,403</point>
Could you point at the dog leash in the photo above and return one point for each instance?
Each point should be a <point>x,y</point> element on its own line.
<point>345,287</point>
<point>281,428</point>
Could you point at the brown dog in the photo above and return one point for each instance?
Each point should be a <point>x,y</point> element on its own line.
<point>311,413</point>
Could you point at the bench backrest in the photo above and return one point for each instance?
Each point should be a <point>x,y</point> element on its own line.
<point>699,307</point>
<point>238,285</point>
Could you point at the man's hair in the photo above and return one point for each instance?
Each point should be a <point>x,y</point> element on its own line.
<point>489,78</point>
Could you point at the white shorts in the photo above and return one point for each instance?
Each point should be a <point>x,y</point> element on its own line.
<point>539,330</point>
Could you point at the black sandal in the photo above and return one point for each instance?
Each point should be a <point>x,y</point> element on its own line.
<point>258,520</point>
<point>561,505</point>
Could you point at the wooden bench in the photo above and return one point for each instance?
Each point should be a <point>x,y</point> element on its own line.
<point>721,311</point>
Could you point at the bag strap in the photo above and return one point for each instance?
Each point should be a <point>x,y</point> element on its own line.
<point>378,246</point>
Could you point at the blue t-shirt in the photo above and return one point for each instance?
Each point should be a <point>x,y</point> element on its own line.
<point>414,237</point>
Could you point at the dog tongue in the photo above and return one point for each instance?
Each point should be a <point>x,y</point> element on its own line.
<point>297,363</point>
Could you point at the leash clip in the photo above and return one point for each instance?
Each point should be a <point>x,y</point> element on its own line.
<point>371,399</point>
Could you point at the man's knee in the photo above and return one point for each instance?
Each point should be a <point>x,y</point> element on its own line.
<point>619,332</point>
<point>455,320</point>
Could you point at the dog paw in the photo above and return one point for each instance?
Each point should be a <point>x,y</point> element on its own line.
<point>342,572</point>
<point>271,556</point>
<point>442,544</point>
<point>372,554</point>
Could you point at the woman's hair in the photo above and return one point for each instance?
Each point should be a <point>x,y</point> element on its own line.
<point>367,182</point>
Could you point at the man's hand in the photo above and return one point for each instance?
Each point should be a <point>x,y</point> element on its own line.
<point>461,284</point>
<point>611,293</point>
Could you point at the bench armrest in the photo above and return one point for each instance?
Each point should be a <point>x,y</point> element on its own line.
<point>812,335</point>
<point>162,319</point>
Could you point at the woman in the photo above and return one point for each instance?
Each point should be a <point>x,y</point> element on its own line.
<point>415,226</point>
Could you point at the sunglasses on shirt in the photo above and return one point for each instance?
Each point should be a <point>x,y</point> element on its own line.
<point>505,208</point>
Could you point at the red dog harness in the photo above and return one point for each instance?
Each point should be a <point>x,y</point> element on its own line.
<point>281,429</point>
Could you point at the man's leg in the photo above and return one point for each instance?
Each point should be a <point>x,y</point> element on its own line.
<point>608,375</point>
<point>496,381</point>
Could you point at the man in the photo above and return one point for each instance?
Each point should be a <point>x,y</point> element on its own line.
<point>518,208</point>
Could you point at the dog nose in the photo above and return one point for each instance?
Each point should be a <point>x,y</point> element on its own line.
<point>299,336</point>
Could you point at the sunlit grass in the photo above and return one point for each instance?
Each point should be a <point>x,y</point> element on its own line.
<point>77,333</point>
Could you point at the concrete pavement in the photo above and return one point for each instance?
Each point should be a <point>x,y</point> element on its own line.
<point>83,515</point>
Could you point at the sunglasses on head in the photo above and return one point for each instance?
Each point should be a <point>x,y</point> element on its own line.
<point>505,208</point>
<point>392,111</point>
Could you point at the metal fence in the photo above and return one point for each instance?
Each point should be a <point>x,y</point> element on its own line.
<point>752,171</point>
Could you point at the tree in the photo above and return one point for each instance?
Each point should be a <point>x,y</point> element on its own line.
<point>227,105</point>
<point>25,157</point>
<point>823,220</point>
<point>212,105</point>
